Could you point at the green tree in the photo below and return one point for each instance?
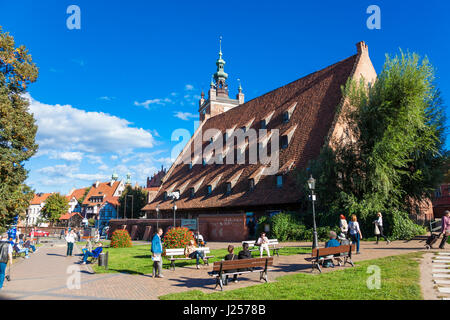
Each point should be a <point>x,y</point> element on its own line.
<point>55,206</point>
<point>136,199</point>
<point>17,127</point>
<point>399,154</point>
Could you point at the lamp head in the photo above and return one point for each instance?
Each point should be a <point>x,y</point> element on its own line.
<point>311,183</point>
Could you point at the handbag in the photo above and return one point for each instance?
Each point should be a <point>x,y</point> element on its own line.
<point>377,230</point>
<point>156,258</point>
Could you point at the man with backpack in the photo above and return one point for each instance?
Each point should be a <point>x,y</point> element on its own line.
<point>6,251</point>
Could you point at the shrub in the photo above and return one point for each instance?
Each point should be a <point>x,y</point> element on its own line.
<point>403,227</point>
<point>177,238</point>
<point>121,239</point>
<point>281,226</point>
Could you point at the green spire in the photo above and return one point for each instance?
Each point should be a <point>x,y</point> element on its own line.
<point>220,75</point>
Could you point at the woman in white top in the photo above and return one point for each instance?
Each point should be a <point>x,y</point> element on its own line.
<point>355,232</point>
<point>263,243</point>
<point>343,225</point>
<point>379,224</point>
<point>70,239</point>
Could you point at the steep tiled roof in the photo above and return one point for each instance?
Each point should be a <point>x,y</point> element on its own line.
<point>77,193</point>
<point>67,216</point>
<point>104,190</point>
<point>39,198</point>
<point>312,103</point>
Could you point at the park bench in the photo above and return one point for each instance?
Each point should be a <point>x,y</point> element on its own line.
<point>318,255</point>
<point>16,252</point>
<point>273,244</point>
<point>221,269</point>
<point>178,254</point>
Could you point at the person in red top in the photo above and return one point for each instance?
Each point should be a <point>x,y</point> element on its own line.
<point>445,230</point>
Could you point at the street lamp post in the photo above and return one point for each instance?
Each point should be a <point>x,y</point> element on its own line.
<point>311,185</point>
<point>174,210</point>
<point>132,207</point>
<point>157,217</point>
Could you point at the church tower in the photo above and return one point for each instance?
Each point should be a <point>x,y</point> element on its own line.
<point>218,100</point>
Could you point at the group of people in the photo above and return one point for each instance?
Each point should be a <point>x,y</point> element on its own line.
<point>352,230</point>
<point>22,244</point>
<point>71,236</point>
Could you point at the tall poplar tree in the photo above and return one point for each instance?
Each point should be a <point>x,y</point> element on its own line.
<point>17,127</point>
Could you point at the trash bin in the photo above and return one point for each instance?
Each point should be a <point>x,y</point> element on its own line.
<point>103,260</point>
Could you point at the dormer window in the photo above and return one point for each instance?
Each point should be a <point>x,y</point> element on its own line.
<point>284,142</point>
<point>190,166</point>
<point>286,116</point>
<point>191,193</point>
<point>263,124</point>
<point>209,189</point>
<point>279,181</point>
<point>165,195</point>
<point>251,184</point>
<point>244,128</point>
<point>228,190</point>
<point>211,141</point>
<point>203,161</point>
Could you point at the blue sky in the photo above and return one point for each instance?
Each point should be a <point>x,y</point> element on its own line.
<point>110,95</point>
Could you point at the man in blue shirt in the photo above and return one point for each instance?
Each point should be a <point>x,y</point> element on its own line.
<point>157,250</point>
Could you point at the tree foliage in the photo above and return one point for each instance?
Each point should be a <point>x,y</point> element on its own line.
<point>134,203</point>
<point>399,154</point>
<point>55,206</point>
<point>17,127</point>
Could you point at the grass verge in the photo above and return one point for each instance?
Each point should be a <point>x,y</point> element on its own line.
<point>137,259</point>
<point>399,281</point>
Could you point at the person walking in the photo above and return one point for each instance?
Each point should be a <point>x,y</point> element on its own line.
<point>62,233</point>
<point>6,251</point>
<point>355,232</point>
<point>70,239</point>
<point>190,251</point>
<point>263,243</point>
<point>445,230</point>
<point>157,250</point>
<point>343,225</point>
<point>379,228</point>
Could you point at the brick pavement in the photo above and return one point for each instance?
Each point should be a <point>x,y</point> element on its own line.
<point>44,275</point>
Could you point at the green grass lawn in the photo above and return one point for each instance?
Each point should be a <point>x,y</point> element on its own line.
<point>137,259</point>
<point>399,281</point>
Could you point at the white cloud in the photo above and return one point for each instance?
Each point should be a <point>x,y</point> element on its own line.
<point>95,159</point>
<point>184,115</point>
<point>189,87</point>
<point>63,126</point>
<point>106,98</point>
<point>114,157</point>
<point>68,156</point>
<point>146,104</point>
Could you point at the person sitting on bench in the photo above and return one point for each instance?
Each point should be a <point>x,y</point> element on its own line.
<point>263,243</point>
<point>19,249</point>
<point>95,253</point>
<point>245,254</point>
<point>231,256</point>
<point>190,251</point>
<point>331,243</point>
<point>27,244</point>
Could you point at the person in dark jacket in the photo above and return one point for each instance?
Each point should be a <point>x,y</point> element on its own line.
<point>6,251</point>
<point>245,254</point>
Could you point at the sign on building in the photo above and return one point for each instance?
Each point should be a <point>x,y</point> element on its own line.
<point>191,224</point>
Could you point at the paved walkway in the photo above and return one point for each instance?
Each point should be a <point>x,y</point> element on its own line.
<point>435,270</point>
<point>46,275</point>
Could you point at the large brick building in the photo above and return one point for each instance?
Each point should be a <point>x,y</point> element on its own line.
<point>301,117</point>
